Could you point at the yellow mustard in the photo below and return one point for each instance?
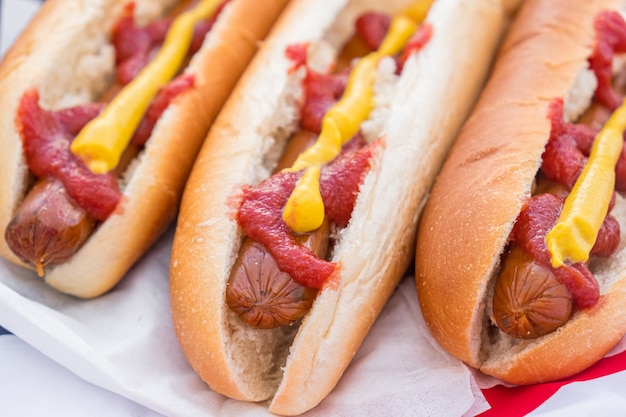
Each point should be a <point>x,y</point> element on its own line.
<point>585,208</point>
<point>343,121</point>
<point>306,186</point>
<point>402,27</point>
<point>418,10</point>
<point>102,141</point>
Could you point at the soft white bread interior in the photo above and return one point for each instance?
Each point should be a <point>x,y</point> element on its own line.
<point>295,367</point>
<point>480,191</point>
<point>66,55</point>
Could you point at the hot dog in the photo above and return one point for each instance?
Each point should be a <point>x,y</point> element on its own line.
<point>104,110</point>
<point>522,278</point>
<point>281,261</point>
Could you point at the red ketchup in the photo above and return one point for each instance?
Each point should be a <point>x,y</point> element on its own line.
<point>260,213</point>
<point>47,135</point>
<point>610,39</point>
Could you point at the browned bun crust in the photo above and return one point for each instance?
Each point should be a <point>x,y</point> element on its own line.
<point>296,367</point>
<point>479,193</point>
<point>152,186</point>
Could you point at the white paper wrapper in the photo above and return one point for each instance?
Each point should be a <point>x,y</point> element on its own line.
<point>124,342</point>
<point>35,386</point>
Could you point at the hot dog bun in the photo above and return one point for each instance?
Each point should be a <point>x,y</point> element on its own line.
<point>479,193</point>
<point>295,368</point>
<point>64,53</point>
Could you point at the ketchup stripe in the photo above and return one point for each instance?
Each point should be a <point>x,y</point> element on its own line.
<point>521,400</point>
<point>260,213</point>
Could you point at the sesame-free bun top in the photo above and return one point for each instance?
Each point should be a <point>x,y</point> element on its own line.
<point>479,194</point>
<point>294,368</point>
<point>65,54</point>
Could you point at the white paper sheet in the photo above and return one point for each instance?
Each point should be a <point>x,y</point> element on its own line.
<point>34,386</point>
<point>124,342</point>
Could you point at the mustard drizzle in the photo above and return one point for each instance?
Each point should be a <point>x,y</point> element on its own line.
<point>304,211</point>
<point>575,233</point>
<point>101,142</point>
